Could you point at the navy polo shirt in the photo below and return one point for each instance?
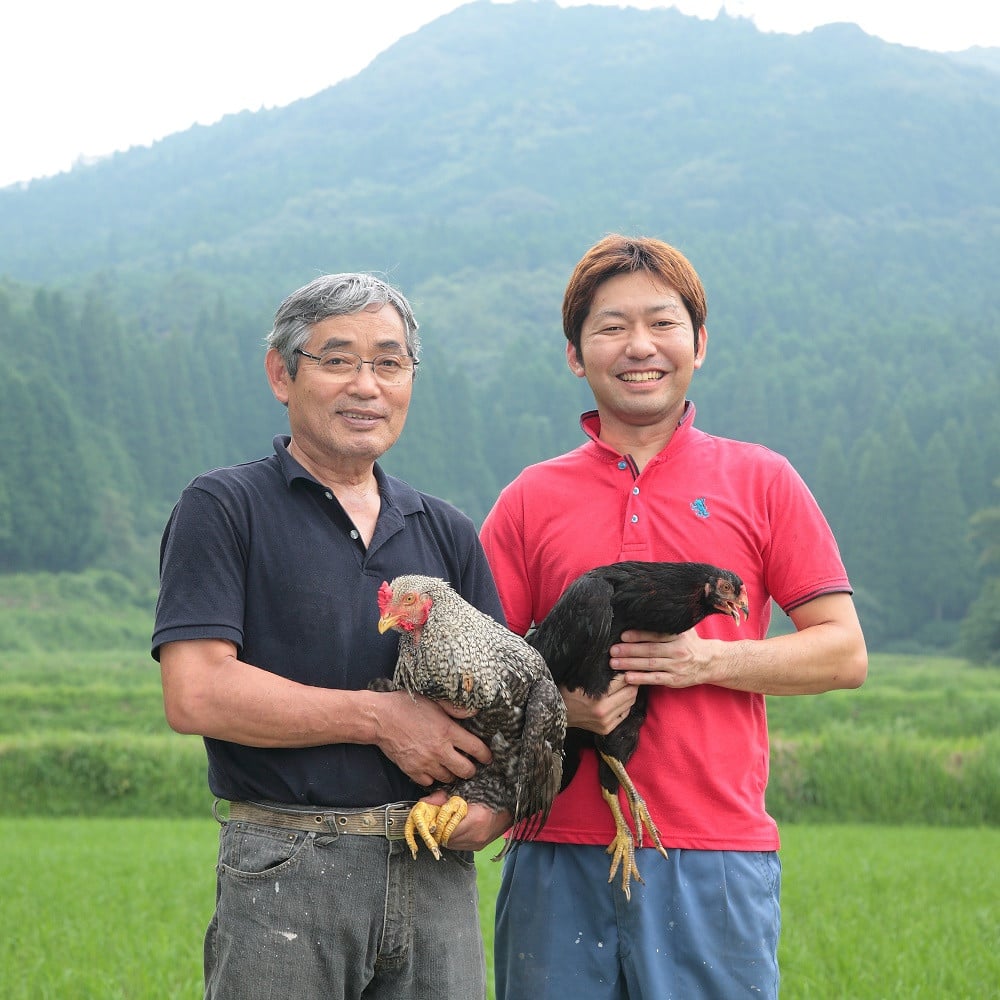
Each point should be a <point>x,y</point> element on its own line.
<point>264,556</point>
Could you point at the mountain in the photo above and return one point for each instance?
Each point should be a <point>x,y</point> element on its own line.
<point>511,134</point>
<point>839,195</point>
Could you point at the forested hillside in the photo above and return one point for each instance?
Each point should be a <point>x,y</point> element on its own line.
<point>840,197</point>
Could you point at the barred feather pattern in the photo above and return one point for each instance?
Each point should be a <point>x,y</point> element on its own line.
<point>463,656</point>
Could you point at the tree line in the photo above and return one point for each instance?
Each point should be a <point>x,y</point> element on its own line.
<point>103,422</point>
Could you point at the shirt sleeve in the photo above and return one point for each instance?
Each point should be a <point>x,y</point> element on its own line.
<point>803,560</point>
<point>202,574</point>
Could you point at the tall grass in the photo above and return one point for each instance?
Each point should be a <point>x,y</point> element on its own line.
<point>115,909</point>
<point>919,743</point>
<point>935,697</point>
<point>94,610</point>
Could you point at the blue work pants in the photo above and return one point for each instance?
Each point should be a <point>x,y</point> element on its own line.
<point>704,924</point>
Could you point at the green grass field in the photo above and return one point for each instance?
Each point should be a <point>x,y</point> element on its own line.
<point>888,799</point>
<point>108,909</point>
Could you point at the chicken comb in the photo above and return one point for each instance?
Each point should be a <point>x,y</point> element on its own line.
<point>384,596</point>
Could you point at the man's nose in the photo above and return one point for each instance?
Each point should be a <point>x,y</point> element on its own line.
<point>640,343</point>
<point>365,373</point>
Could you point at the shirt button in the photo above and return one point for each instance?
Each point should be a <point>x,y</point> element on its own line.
<point>328,495</point>
<point>635,518</point>
<point>635,491</point>
<point>354,533</point>
<point>623,465</point>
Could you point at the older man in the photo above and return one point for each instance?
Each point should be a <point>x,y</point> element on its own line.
<point>266,635</point>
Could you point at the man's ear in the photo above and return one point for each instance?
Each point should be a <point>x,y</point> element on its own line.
<point>277,375</point>
<point>574,362</point>
<point>701,348</point>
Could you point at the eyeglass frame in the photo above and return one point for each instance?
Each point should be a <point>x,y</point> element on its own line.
<point>362,361</point>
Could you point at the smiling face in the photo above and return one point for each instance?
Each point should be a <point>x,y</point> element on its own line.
<point>343,426</point>
<point>638,352</point>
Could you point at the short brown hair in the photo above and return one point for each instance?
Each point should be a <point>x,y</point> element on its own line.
<point>616,254</point>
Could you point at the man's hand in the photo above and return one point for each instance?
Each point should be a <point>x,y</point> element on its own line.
<point>599,715</point>
<point>424,741</point>
<point>675,661</point>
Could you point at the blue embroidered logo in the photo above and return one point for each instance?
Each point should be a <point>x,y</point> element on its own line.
<point>700,507</point>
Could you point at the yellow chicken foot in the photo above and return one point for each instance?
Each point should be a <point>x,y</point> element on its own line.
<point>622,847</point>
<point>422,820</point>
<point>636,804</point>
<point>435,824</point>
<point>449,816</point>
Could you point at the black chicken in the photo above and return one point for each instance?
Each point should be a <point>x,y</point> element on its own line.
<point>574,640</point>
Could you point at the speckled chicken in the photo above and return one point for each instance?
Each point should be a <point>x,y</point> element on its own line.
<point>450,651</point>
<point>575,639</point>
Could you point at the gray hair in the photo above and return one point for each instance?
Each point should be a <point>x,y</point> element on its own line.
<point>335,295</point>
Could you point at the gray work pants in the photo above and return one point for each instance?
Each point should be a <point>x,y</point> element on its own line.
<point>344,917</point>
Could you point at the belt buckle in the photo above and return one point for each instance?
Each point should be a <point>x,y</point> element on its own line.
<point>386,821</point>
<point>394,825</point>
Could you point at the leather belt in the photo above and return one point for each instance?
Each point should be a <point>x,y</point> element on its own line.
<point>382,821</point>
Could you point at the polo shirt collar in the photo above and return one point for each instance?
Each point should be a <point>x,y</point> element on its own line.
<point>400,495</point>
<point>590,423</point>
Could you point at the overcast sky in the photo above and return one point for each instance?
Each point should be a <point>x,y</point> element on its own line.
<point>83,79</point>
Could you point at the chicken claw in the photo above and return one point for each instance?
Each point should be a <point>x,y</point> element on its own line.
<point>422,820</point>
<point>435,824</point>
<point>622,847</point>
<point>636,803</point>
<point>449,816</point>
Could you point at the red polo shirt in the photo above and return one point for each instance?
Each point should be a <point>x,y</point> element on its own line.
<point>702,759</point>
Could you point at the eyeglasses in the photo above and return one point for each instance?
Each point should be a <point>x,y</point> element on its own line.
<point>342,366</point>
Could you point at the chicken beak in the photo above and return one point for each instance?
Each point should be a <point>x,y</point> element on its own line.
<point>386,622</point>
<point>740,604</point>
<point>733,608</point>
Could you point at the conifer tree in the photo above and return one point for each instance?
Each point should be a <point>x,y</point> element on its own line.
<point>979,638</point>
<point>943,571</point>
<point>874,570</point>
